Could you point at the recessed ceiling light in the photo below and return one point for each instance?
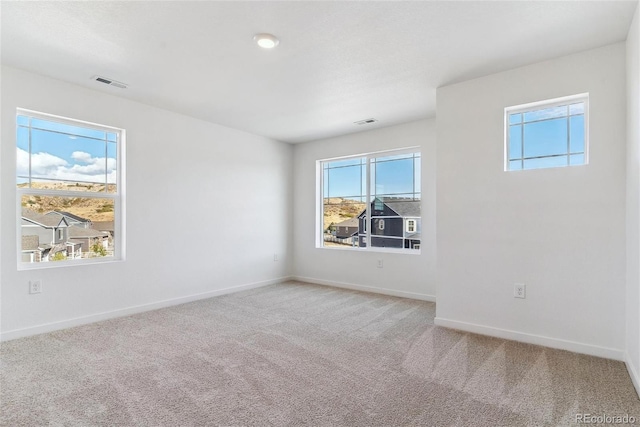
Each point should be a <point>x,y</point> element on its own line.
<point>266,41</point>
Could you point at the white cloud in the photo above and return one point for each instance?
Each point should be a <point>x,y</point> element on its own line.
<point>53,167</point>
<point>42,164</point>
<point>81,156</point>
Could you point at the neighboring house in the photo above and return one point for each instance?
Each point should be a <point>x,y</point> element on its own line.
<point>30,249</point>
<point>83,233</point>
<point>347,231</point>
<point>44,235</point>
<point>72,219</point>
<point>50,230</point>
<point>395,223</point>
<point>106,226</point>
<point>84,238</point>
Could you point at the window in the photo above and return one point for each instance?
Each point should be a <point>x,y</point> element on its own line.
<point>376,193</point>
<point>547,134</point>
<point>411,226</point>
<point>69,191</point>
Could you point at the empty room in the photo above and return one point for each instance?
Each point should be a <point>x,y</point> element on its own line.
<point>322,213</point>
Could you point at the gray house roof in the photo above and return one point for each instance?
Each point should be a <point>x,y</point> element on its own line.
<point>103,225</point>
<point>403,207</point>
<point>30,243</point>
<point>45,221</point>
<point>406,208</point>
<point>76,232</point>
<point>351,222</point>
<point>68,215</point>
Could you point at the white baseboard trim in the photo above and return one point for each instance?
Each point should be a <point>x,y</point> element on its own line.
<point>576,347</point>
<point>384,291</point>
<point>633,373</point>
<point>78,321</point>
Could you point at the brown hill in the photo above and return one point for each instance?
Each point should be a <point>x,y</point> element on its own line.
<point>337,209</point>
<point>95,209</point>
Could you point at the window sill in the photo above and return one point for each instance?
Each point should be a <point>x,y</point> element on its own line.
<point>26,266</point>
<point>373,250</point>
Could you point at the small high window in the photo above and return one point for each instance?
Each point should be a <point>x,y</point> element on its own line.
<point>547,134</point>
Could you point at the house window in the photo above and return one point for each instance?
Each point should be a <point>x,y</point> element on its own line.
<point>411,226</point>
<point>547,134</point>
<point>379,187</point>
<point>68,178</point>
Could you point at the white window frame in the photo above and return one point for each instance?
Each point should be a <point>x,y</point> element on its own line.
<point>541,105</point>
<point>118,196</point>
<point>381,224</point>
<point>411,222</point>
<point>366,234</point>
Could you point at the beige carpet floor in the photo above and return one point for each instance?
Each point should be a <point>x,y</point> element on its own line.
<point>293,355</point>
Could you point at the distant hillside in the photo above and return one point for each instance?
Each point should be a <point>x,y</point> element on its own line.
<point>337,209</point>
<point>89,208</point>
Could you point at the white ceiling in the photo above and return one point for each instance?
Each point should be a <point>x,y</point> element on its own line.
<point>337,62</point>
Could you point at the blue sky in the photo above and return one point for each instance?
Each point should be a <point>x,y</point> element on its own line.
<point>546,132</point>
<point>65,152</point>
<point>392,175</point>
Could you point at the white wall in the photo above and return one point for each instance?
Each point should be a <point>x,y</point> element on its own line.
<point>633,202</point>
<point>207,208</point>
<point>403,274</point>
<point>560,231</point>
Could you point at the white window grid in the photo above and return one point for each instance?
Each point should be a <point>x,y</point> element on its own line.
<point>566,101</point>
<point>367,198</point>
<point>116,196</point>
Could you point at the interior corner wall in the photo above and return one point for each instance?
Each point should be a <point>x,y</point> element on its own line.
<point>560,231</point>
<point>207,207</point>
<point>632,308</point>
<point>408,275</point>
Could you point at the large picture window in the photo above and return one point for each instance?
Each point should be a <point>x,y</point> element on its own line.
<point>547,134</point>
<point>371,201</point>
<point>69,191</point>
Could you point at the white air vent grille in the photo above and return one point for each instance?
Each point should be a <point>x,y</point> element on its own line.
<point>365,121</point>
<point>110,82</point>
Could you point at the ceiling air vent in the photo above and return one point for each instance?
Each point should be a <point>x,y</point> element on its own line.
<point>365,121</point>
<point>109,82</point>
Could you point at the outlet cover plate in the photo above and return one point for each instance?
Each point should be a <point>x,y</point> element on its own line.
<point>519,290</point>
<point>35,286</point>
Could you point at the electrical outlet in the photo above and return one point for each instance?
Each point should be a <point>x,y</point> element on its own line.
<point>35,286</point>
<point>380,264</point>
<point>275,257</point>
<point>519,290</point>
